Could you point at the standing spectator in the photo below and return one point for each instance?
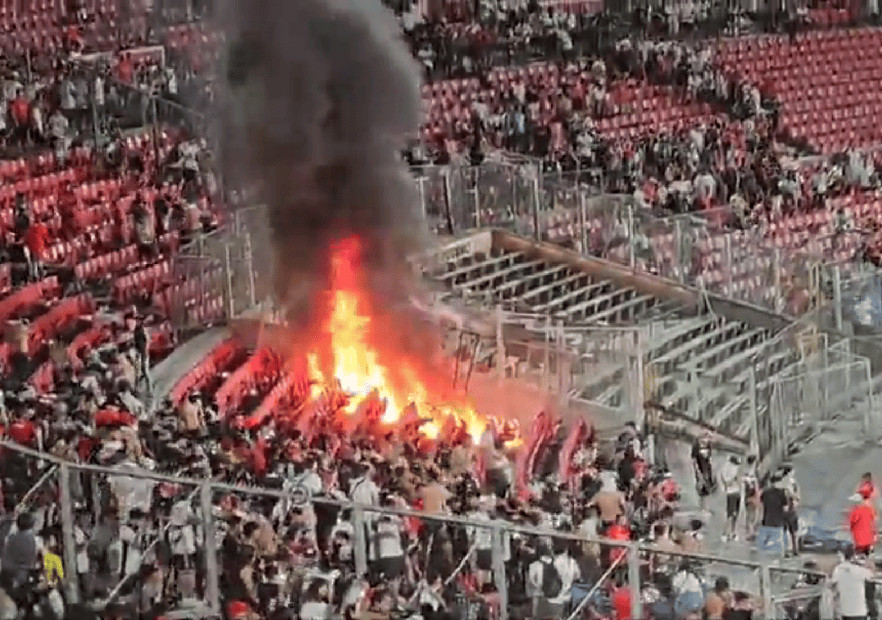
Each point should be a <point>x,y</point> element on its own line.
<point>145,232</point>
<point>37,240</point>
<point>388,560</point>
<point>20,112</point>
<point>551,578</point>
<point>792,515</point>
<point>741,608</point>
<point>849,581</point>
<point>751,496</point>
<point>58,130</point>
<point>731,484</point>
<point>20,554</point>
<point>862,521</point>
<point>688,591</point>
<point>718,600</point>
<point>775,503</point>
<point>701,464</point>
<point>142,350</point>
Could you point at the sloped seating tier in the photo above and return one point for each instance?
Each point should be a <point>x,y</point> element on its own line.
<point>638,108</point>
<point>826,81</point>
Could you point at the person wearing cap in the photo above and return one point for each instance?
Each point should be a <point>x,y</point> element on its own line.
<point>849,580</point>
<point>862,521</point>
<point>867,485</point>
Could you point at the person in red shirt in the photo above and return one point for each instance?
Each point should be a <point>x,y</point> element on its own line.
<point>125,71</point>
<point>37,239</point>
<point>862,523</point>
<point>621,601</point>
<point>618,531</point>
<point>23,432</point>
<point>20,112</point>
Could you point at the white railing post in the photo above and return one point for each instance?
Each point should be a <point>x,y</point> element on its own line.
<point>753,411</point>
<point>776,280</point>
<point>421,189</point>
<point>583,222</point>
<point>634,580</point>
<point>249,265</point>
<point>766,589</point>
<point>727,265</point>
<point>68,541</point>
<point>212,574</point>
<point>477,196</point>
<point>499,576</point>
<point>872,422</point>
<point>361,542</point>
<point>228,283</point>
<point>837,298</point>
<point>537,207</point>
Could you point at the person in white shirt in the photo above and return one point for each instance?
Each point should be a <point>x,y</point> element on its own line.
<point>388,560</point>
<point>316,605</point>
<point>565,571</point>
<point>688,591</point>
<point>309,478</point>
<point>363,490</point>
<point>58,132</point>
<point>849,582</point>
<point>751,488</point>
<point>731,485</point>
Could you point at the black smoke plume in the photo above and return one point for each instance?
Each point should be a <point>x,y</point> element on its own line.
<point>320,97</point>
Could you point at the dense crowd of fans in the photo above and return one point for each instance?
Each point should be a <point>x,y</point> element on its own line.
<point>279,558</point>
<point>142,548</point>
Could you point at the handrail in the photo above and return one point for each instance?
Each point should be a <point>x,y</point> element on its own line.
<point>297,495</point>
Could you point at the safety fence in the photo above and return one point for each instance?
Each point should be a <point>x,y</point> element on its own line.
<point>223,274</point>
<point>695,249</point>
<point>794,401</point>
<point>129,535</point>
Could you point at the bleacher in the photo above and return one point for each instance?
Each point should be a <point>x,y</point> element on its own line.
<point>95,244</point>
<point>825,80</point>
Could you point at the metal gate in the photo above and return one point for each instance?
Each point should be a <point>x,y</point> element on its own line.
<point>828,383</point>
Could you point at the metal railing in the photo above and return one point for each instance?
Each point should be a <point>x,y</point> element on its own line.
<point>199,503</point>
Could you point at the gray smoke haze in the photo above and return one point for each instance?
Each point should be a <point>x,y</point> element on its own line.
<point>320,97</point>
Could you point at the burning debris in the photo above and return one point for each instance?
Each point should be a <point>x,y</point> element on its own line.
<point>321,96</point>
<point>357,379</point>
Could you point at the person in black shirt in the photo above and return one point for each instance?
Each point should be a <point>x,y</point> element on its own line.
<point>771,534</point>
<point>701,463</point>
<point>741,609</point>
<point>141,345</point>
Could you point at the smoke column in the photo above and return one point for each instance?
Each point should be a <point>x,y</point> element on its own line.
<point>320,96</point>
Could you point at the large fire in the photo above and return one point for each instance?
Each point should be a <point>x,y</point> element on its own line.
<point>358,364</point>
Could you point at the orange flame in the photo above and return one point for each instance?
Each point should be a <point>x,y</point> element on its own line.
<point>356,348</point>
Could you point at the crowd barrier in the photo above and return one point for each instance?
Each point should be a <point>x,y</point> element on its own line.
<point>154,508</point>
<point>695,249</point>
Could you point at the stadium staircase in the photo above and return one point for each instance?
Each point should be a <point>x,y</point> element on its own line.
<point>695,362</point>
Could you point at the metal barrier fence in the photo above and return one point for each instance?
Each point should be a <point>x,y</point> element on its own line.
<point>827,383</point>
<point>693,249</point>
<point>145,534</point>
<point>223,274</point>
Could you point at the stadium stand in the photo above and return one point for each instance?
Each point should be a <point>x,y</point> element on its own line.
<point>823,81</point>
<point>90,295</point>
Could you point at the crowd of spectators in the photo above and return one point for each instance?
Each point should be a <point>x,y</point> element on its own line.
<point>145,542</point>
<point>142,548</point>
